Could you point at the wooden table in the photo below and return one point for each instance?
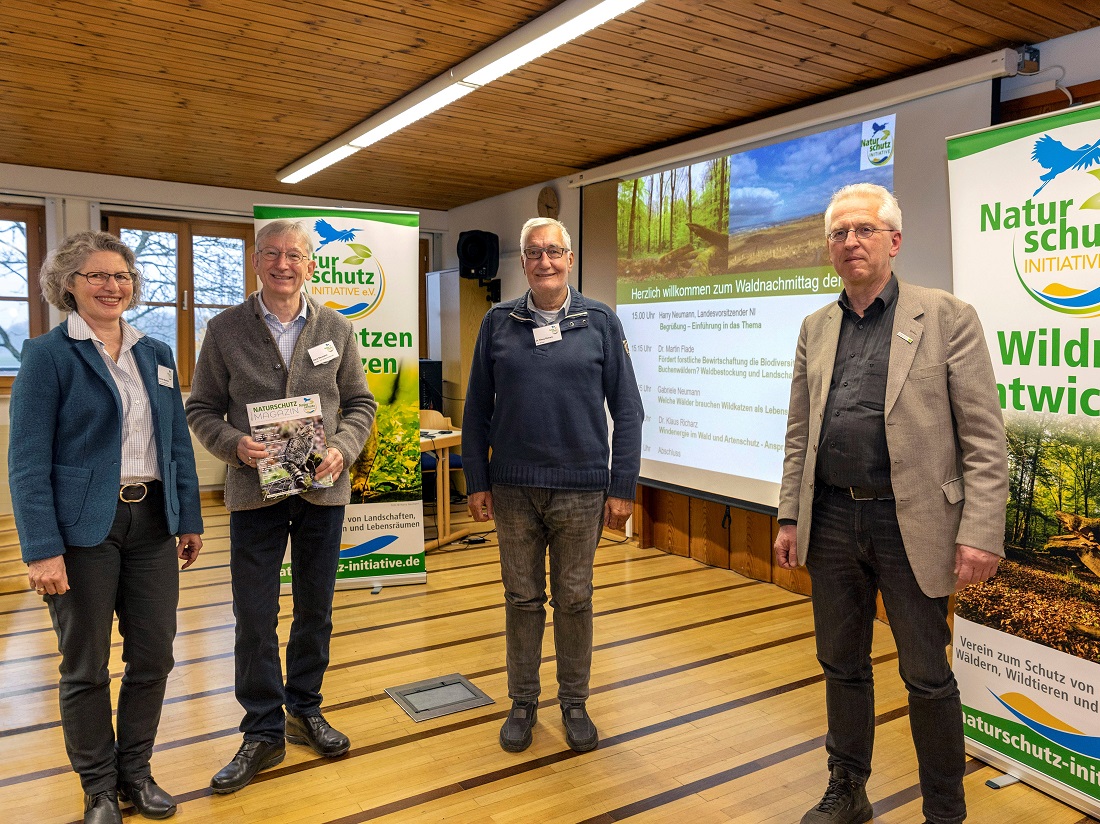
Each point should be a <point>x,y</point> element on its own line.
<point>440,442</point>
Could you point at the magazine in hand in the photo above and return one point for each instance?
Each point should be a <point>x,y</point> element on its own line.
<point>293,433</point>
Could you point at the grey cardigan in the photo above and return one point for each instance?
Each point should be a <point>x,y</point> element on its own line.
<point>239,364</point>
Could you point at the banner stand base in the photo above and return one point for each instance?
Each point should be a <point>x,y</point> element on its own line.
<point>1041,782</point>
<point>1001,781</point>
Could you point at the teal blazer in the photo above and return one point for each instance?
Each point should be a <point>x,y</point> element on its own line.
<point>65,444</point>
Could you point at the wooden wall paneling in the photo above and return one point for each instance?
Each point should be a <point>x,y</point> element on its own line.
<point>760,538</point>
<point>1051,101</point>
<point>739,543</point>
<point>708,538</point>
<point>643,520</point>
<point>671,520</point>
<point>795,580</point>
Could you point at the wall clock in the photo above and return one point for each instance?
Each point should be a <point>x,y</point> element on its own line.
<point>548,202</point>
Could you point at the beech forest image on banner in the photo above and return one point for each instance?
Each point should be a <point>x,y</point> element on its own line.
<point>1047,589</point>
<point>675,223</point>
<point>388,468</point>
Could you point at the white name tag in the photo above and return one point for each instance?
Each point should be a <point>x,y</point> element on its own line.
<point>323,353</point>
<point>547,334</point>
<point>165,376</point>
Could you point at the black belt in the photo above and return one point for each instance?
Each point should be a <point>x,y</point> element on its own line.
<point>135,493</point>
<point>860,493</point>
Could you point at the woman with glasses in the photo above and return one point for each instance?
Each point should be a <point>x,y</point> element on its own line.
<point>102,477</point>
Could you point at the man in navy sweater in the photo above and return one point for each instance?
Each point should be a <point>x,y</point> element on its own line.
<point>544,366</point>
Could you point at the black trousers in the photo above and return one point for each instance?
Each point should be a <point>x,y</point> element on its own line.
<point>132,573</point>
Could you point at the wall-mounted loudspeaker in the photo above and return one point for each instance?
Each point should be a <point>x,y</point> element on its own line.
<point>478,254</point>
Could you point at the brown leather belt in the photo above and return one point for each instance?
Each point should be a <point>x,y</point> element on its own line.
<point>861,493</point>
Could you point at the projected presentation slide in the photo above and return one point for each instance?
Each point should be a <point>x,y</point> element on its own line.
<point>718,263</point>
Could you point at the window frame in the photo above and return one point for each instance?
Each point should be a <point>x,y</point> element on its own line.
<point>38,311</point>
<point>185,231</point>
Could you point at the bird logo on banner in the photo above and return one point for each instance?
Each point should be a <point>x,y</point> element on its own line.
<point>330,234</point>
<point>1057,158</point>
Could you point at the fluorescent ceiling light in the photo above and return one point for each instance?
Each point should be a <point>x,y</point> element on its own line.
<point>561,24</point>
<point>418,110</point>
<point>569,30</point>
<point>334,155</point>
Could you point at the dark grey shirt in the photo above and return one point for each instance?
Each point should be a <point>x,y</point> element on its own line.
<point>852,450</point>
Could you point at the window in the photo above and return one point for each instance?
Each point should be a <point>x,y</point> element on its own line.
<point>23,312</point>
<point>192,270</point>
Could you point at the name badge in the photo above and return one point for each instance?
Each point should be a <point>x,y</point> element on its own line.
<point>547,334</point>
<point>323,353</point>
<point>165,376</point>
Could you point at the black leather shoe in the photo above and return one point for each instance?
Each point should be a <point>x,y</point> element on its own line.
<point>580,732</point>
<point>102,808</point>
<point>314,731</point>
<point>251,758</point>
<point>515,735</point>
<point>149,799</point>
<point>845,801</point>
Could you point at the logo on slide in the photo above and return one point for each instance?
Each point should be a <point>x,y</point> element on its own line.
<point>876,147</point>
<point>1038,720</point>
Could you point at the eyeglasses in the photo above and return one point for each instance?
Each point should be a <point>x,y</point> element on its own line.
<point>101,278</point>
<point>552,252</point>
<point>292,257</point>
<point>863,233</point>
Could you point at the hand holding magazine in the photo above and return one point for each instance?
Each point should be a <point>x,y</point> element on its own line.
<point>293,433</point>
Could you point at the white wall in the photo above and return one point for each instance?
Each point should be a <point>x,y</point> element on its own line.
<point>505,215</point>
<point>1070,60</point>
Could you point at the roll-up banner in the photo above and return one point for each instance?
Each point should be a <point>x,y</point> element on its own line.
<point>367,271</point>
<point>1025,222</point>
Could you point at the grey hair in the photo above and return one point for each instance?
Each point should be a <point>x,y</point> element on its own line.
<point>538,223</point>
<point>888,211</point>
<point>278,228</point>
<point>60,267</point>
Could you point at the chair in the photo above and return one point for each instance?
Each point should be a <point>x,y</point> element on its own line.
<point>432,419</point>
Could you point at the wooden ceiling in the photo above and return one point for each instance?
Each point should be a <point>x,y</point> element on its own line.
<point>227,92</point>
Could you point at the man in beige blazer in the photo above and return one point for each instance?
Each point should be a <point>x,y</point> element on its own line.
<point>895,480</point>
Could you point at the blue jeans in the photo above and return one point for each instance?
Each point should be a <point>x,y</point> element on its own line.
<point>258,540</point>
<point>855,550</point>
<point>132,573</point>
<point>569,522</point>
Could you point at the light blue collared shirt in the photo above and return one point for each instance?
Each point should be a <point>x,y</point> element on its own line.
<point>285,334</point>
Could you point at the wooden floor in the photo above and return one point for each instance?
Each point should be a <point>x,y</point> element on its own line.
<point>705,688</point>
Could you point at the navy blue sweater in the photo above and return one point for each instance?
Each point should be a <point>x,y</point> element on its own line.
<point>541,408</point>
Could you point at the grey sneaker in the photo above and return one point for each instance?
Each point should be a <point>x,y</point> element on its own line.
<point>580,732</point>
<point>845,801</point>
<point>515,735</point>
